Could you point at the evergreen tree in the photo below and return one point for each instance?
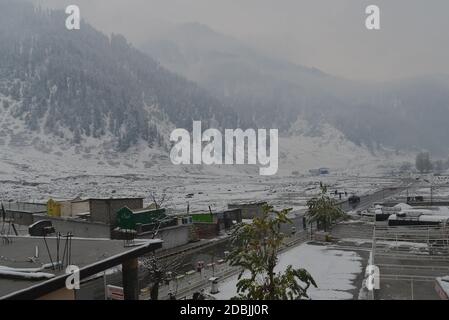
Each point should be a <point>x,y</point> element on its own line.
<point>423,162</point>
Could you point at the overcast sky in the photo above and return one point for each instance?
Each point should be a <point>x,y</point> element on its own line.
<point>326,34</point>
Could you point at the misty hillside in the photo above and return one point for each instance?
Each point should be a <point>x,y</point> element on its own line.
<point>82,84</point>
<point>82,103</point>
<point>406,115</point>
<point>259,89</point>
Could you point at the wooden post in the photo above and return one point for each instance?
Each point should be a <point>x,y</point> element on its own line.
<point>130,279</point>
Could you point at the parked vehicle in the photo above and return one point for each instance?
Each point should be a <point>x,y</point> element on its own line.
<point>354,199</point>
<point>417,219</point>
<point>415,199</point>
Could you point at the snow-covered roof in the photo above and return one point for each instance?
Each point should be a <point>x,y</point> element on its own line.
<point>403,206</point>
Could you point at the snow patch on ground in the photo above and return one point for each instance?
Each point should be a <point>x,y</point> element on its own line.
<point>333,270</point>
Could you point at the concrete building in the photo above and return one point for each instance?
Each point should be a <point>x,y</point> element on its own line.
<point>92,209</point>
<point>104,210</point>
<point>231,217</point>
<point>249,210</point>
<point>61,207</point>
<point>153,223</point>
<point>172,237</point>
<point>89,218</point>
<point>22,212</point>
<point>209,225</point>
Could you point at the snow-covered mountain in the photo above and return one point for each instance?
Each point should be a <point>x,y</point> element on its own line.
<point>83,84</point>
<point>308,146</point>
<point>408,114</point>
<point>81,103</point>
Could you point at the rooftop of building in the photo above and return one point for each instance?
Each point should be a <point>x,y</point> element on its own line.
<point>109,199</point>
<point>145,210</point>
<point>249,203</point>
<point>92,256</point>
<point>25,207</point>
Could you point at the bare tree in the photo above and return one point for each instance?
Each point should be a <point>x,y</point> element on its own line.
<point>160,199</point>
<point>161,271</point>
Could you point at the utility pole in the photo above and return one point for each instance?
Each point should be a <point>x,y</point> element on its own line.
<point>431,195</point>
<point>130,279</point>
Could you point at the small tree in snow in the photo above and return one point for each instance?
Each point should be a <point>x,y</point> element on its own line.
<point>323,209</point>
<point>256,249</point>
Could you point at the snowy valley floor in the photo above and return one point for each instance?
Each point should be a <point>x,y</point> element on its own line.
<point>199,190</point>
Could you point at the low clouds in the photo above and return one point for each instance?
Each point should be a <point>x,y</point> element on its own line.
<point>329,35</point>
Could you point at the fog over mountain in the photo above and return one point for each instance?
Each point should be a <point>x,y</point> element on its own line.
<point>408,114</point>
<point>329,35</point>
<point>77,85</point>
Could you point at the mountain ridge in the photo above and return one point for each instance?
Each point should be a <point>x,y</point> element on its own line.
<point>403,114</point>
<point>84,84</point>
